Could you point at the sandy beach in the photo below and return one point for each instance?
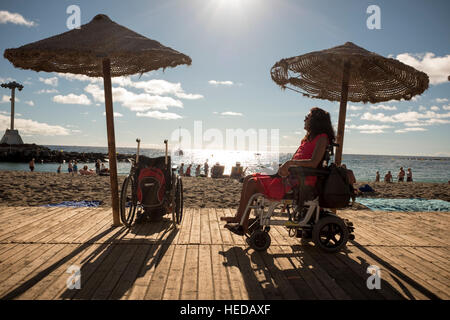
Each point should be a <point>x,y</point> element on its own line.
<point>37,188</point>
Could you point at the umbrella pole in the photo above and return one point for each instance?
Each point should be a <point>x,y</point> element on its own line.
<point>342,113</point>
<point>111,140</point>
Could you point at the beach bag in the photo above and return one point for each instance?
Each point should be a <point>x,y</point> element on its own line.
<point>151,187</point>
<point>336,189</point>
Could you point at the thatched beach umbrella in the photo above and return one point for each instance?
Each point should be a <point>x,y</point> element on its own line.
<point>100,48</point>
<point>349,73</point>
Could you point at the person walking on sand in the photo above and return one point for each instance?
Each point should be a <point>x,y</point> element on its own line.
<point>409,176</point>
<point>97,166</point>
<point>31,164</point>
<point>401,175</point>
<point>70,167</point>
<point>75,167</point>
<point>188,171</point>
<point>59,169</point>
<point>388,177</point>
<point>206,168</point>
<point>197,171</point>
<point>377,177</point>
<point>181,170</point>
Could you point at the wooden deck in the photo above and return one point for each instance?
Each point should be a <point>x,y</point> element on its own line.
<point>202,260</point>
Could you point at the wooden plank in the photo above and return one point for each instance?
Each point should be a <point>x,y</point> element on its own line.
<point>185,230</point>
<point>298,283</point>
<point>216,237</point>
<point>189,288</point>
<point>205,232</point>
<point>225,234</point>
<point>195,228</point>
<point>146,273</point>
<point>236,280</point>
<point>304,270</point>
<point>222,289</point>
<point>175,277</point>
<point>155,290</point>
<point>205,277</point>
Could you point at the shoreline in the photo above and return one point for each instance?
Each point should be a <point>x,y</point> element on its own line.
<point>18,188</point>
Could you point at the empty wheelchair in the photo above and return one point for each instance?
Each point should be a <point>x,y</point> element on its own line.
<point>152,189</point>
<point>305,207</point>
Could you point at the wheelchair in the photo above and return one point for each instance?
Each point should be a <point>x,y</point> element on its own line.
<point>306,218</point>
<point>158,193</point>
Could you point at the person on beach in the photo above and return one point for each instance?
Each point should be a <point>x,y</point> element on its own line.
<point>377,177</point>
<point>188,171</point>
<point>401,175</point>
<point>59,169</point>
<point>206,168</point>
<point>319,134</point>
<point>70,167</point>
<point>31,165</point>
<point>197,171</point>
<point>409,176</point>
<point>388,177</point>
<point>351,181</point>
<point>75,167</point>
<point>181,170</point>
<point>86,171</point>
<point>97,166</point>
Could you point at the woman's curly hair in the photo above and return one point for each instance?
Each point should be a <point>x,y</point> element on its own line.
<point>320,122</point>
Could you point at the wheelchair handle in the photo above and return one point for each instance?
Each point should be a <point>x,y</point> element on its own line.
<point>137,152</point>
<point>166,160</point>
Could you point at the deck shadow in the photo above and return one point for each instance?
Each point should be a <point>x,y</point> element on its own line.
<point>307,273</point>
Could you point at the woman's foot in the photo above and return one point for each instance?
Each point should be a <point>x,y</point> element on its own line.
<point>236,228</point>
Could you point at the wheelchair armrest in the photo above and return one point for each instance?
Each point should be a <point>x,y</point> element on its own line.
<point>305,171</point>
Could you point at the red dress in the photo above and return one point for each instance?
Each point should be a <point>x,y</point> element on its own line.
<point>273,186</point>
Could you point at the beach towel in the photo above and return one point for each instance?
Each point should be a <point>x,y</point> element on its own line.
<point>366,188</point>
<point>411,205</point>
<point>75,204</point>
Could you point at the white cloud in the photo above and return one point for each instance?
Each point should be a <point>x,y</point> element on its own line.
<point>135,102</point>
<point>31,127</point>
<point>47,91</point>
<point>50,81</point>
<point>447,107</point>
<point>355,108</point>
<point>15,18</point>
<point>231,113</point>
<point>441,100</point>
<point>159,115</point>
<point>116,114</point>
<point>434,108</point>
<point>437,68</point>
<point>422,108</point>
<point>410,130</point>
<point>384,107</point>
<point>5,99</point>
<point>411,116</point>
<point>30,103</point>
<point>368,127</point>
<point>218,83</point>
<point>372,131</point>
<point>79,77</point>
<point>354,115</point>
<point>72,99</point>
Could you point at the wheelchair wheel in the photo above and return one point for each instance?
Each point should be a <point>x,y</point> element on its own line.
<point>330,234</point>
<point>128,202</point>
<point>179,201</point>
<point>260,240</point>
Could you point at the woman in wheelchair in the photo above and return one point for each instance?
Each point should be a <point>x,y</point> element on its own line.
<point>319,134</point>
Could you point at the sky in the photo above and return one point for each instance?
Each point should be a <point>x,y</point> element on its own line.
<point>233,45</point>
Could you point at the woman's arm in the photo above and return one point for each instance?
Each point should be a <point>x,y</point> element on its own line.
<point>317,156</point>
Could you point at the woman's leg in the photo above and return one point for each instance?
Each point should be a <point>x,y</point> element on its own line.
<point>242,204</point>
<point>253,187</point>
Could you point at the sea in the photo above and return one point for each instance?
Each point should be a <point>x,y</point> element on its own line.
<point>424,169</point>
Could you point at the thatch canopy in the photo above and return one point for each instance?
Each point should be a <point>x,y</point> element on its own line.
<point>81,51</point>
<point>372,78</point>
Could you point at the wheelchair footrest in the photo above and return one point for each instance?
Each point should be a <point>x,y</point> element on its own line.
<point>291,224</point>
